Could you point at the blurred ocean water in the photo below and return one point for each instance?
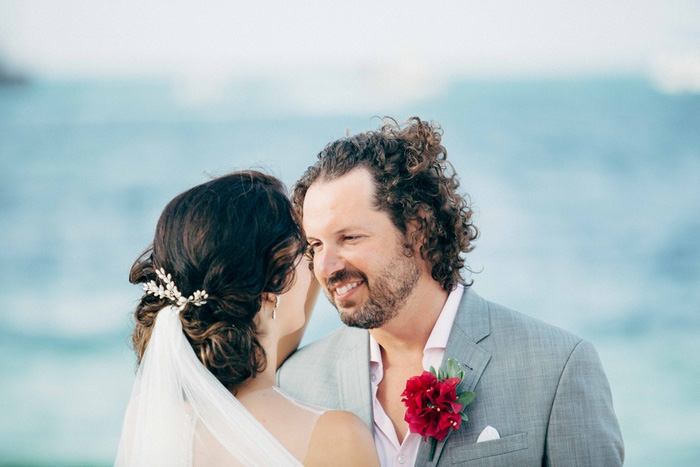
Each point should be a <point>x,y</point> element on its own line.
<point>587,195</point>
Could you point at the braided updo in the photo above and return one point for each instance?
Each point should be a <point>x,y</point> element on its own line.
<point>236,237</point>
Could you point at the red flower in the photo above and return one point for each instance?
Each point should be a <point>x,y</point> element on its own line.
<point>432,407</point>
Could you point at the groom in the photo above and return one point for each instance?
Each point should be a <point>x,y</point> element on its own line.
<point>386,228</point>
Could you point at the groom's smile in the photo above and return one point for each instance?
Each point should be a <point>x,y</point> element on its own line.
<point>343,285</point>
<point>345,291</point>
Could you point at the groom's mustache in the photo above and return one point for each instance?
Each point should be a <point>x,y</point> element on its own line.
<point>345,275</point>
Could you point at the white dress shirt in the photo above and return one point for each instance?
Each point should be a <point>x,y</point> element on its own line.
<point>391,452</point>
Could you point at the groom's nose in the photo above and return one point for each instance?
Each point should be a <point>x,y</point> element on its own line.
<point>327,262</point>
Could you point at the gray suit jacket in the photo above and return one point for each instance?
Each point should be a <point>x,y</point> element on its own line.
<point>542,388</point>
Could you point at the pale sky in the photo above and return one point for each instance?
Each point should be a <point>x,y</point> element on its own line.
<point>404,47</point>
<point>66,37</point>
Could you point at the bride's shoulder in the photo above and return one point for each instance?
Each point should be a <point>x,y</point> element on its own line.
<point>342,437</point>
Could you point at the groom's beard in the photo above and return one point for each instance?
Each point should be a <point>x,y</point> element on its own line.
<point>386,293</point>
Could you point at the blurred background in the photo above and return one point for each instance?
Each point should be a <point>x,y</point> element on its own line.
<point>574,127</point>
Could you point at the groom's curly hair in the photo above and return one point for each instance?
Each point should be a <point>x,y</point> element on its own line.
<point>414,184</point>
<point>237,237</point>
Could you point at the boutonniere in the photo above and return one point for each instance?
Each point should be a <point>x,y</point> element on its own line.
<point>433,405</point>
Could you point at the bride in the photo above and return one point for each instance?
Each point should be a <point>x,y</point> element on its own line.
<point>226,289</point>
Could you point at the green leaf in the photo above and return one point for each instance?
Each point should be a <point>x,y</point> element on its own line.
<point>441,374</point>
<point>461,375</point>
<point>464,416</point>
<point>453,368</point>
<point>432,370</point>
<point>466,398</point>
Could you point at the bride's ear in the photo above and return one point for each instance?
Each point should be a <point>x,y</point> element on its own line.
<point>269,298</point>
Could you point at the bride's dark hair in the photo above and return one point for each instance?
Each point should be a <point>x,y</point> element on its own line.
<point>236,237</point>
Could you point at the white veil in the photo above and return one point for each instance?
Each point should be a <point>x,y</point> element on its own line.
<point>177,402</point>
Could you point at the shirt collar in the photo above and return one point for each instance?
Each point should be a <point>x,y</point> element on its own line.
<point>443,326</point>
<point>375,353</point>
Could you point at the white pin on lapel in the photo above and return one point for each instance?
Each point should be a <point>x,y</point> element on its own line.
<point>488,434</point>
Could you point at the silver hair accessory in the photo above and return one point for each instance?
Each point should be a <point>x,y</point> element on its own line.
<point>274,310</point>
<point>170,291</point>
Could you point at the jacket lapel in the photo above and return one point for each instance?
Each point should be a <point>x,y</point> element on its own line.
<point>353,375</point>
<point>470,327</point>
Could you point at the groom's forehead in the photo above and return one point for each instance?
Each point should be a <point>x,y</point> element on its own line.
<point>326,219</point>
<point>350,192</point>
<point>338,222</point>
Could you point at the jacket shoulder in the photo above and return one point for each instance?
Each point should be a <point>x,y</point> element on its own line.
<point>327,349</point>
<point>508,324</point>
<point>320,360</point>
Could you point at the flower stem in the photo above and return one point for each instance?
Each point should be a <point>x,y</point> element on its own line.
<point>433,445</point>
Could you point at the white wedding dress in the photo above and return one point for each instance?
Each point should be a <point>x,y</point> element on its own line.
<point>179,414</point>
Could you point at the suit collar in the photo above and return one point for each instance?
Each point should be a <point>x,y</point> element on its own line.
<point>353,374</point>
<point>472,317</point>
<point>471,326</point>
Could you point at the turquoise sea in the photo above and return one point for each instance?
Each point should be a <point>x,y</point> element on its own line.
<point>587,195</point>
